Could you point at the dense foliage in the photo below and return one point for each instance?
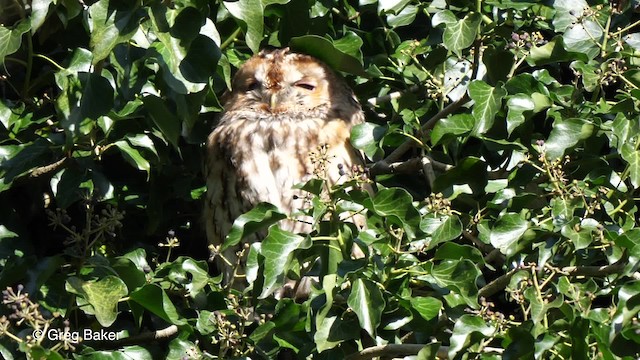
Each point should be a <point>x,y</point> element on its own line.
<point>503,137</point>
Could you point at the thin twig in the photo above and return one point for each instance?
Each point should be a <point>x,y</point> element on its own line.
<point>410,166</point>
<point>391,96</point>
<point>409,143</point>
<point>39,171</point>
<point>142,338</point>
<point>395,350</point>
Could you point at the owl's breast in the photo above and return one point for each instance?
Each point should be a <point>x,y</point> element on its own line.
<point>269,156</point>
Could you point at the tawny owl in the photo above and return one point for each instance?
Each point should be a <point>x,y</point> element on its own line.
<point>282,107</point>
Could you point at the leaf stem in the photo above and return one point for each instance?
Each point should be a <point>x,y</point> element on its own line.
<point>605,37</point>
<point>230,39</point>
<point>627,28</point>
<point>55,64</point>
<point>27,76</point>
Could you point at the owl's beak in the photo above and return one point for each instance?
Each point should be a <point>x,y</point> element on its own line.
<point>273,100</point>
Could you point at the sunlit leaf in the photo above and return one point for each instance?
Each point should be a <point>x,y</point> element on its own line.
<point>366,301</point>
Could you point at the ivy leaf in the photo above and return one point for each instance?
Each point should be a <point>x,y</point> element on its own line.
<point>458,34</point>
<point>164,119</point>
<point>405,17</point>
<point>518,105</point>
<point>459,277</point>
<point>553,52</point>
<point>339,55</point>
<point>133,156</point>
<point>633,40</point>
<point>260,217</point>
<point>97,97</point>
<point>110,26</point>
<point>566,134</point>
<point>464,329</point>
<point>156,300</point>
<point>442,228</point>
<point>427,307</point>
<point>277,249</point>
<point>584,37</point>
<point>507,231</point>
<point>488,100</point>
<point>632,157</point>
<point>452,126</point>
<point>10,39</point>
<point>397,204</point>
<point>251,12</point>
<point>367,137</point>
<point>367,302</point>
<point>102,296</point>
<point>39,12</point>
<point>567,13</point>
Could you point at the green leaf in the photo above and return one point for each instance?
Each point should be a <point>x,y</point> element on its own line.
<point>457,276</point>
<point>350,43</point>
<point>65,186</point>
<point>584,37</point>
<point>452,126</point>
<point>459,175</point>
<point>522,345</point>
<point>97,97</point>
<point>39,12</point>
<point>518,105</point>
<point>133,156</point>
<point>579,332</point>
<point>488,101</point>
<point>102,295</point>
<point>260,217</point>
<point>553,52</point>
<point>332,331</point>
<point>507,231</point>
<point>396,204</point>
<point>198,278</point>
<point>17,160</point>
<point>568,12</point>
<point>590,73</point>
<point>277,248</point>
<point>632,157</point>
<point>187,59</point>
<point>110,25</point>
<point>622,129</point>
<point>154,299</point>
<point>10,39</point>
<point>367,303</point>
<point>180,348</point>
<point>458,34</point>
<point>405,17</point>
<point>566,134</point>
<point>498,62</point>
<point>367,137</point>
<point>251,12</point>
<point>427,307</point>
<point>163,118</point>
<point>464,329</point>
<point>633,40</point>
<point>207,322</point>
<point>339,57</point>
<point>441,228</point>
<point>453,251</point>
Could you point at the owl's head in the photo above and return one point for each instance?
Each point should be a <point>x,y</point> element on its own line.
<point>280,81</point>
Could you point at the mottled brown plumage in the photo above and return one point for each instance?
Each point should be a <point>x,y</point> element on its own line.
<point>282,107</point>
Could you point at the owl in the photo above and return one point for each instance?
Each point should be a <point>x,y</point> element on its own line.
<point>283,107</point>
